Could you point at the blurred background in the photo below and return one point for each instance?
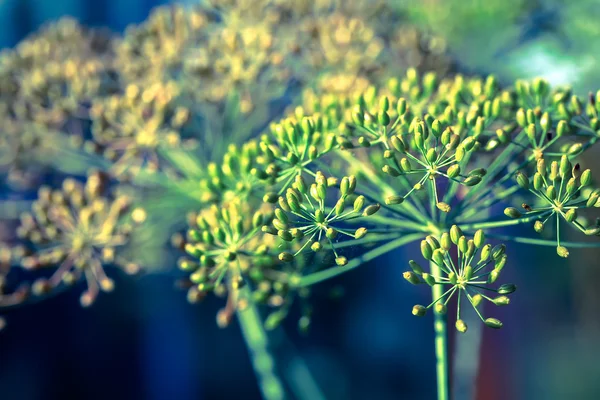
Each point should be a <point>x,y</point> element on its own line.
<point>144,341</point>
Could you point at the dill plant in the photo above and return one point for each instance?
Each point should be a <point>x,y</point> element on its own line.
<point>185,116</point>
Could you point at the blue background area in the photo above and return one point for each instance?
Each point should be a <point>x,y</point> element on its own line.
<point>144,341</point>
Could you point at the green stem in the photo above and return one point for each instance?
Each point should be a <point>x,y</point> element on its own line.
<point>441,340</point>
<point>368,256</point>
<point>257,342</point>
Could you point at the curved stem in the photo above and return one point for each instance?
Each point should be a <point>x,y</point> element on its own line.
<point>441,340</point>
<point>257,342</point>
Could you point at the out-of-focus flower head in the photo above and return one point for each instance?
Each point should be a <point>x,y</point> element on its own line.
<point>79,231</point>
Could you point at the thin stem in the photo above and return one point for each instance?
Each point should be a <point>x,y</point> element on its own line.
<point>257,342</point>
<point>441,340</point>
<point>329,273</point>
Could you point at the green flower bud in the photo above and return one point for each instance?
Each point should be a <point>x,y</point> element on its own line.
<point>500,262</point>
<point>541,167</point>
<point>498,251</point>
<point>316,247</point>
<point>501,301</point>
<point>493,276</point>
<point>370,210</point>
<point>331,233</point>
<point>468,273</point>
<point>562,251</point>
<point>411,277</point>
<point>521,118</point>
<point>441,308</point>
<point>445,241</point>
<point>459,153</point>
<point>438,256</point>
<point>270,198</point>
<point>463,244</point>
<point>391,171</point>
<point>444,207</point>
<point>546,122</point>
<point>341,261</point>
<point>419,310</point>
<point>561,128</point>
<point>476,300</point>
<point>591,202</point>
<point>393,200</point>
<point>507,288</point>
<point>401,106</point>
<point>586,177</point>
<point>512,212</point>
<point>485,252</point>
<point>426,250</point>
<point>398,144</point>
<point>453,278</point>
<point>571,215</point>
<point>575,149</point>
<point>538,226</point>
<point>455,234</point>
<point>286,257</point>
<point>551,192</point>
<point>479,238</point>
<point>417,269</point>
<point>461,326</point>
<point>359,203</point>
<point>523,180</point>
<point>405,165</point>
<point>280,225</point>
<point>428,278</point>
<point>493,323</point>
<point>472,180</point>
<point>453,171</point>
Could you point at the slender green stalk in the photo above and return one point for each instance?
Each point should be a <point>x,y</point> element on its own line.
<point>441,340</point>
<point>257,342</point>
<point>368,256</point>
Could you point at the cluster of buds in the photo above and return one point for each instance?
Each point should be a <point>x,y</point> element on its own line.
<point>559,191</point>
<point>438,152</point>
<point>232,180</point>
<point>470,274</point>
<point>132,129</point>
<point>303,218</point>
<point>226,246</point>
<point>291,148</point>
<point>80,231</point>
<point>150,48</point>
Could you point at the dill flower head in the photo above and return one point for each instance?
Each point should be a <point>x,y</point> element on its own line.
<point>228,252</point>
<point>306,220</point>
<point>132,129</point>
<point>79,231</point>
<point>467,276</point>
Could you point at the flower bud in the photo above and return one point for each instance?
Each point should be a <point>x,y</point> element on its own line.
<point>411,277</point>
<point>562,251</point>
<point>479,238</point>
<point>370,210</point>
<point>359,203</point>
<point>444,207</point>
<point>493,323</point>
<point>441,308</point>
<point>393,200</point>
<point>523,180</point>
<point>286,257</point>
<point>512,212</point>
<point>507,288</point>
<point>426,250</point>
<point>501,301</point>
<point>419,310</point>
<point>455,234</point>
<point>417,269</point>
<point>341,261</point>
<point>461,326</point>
